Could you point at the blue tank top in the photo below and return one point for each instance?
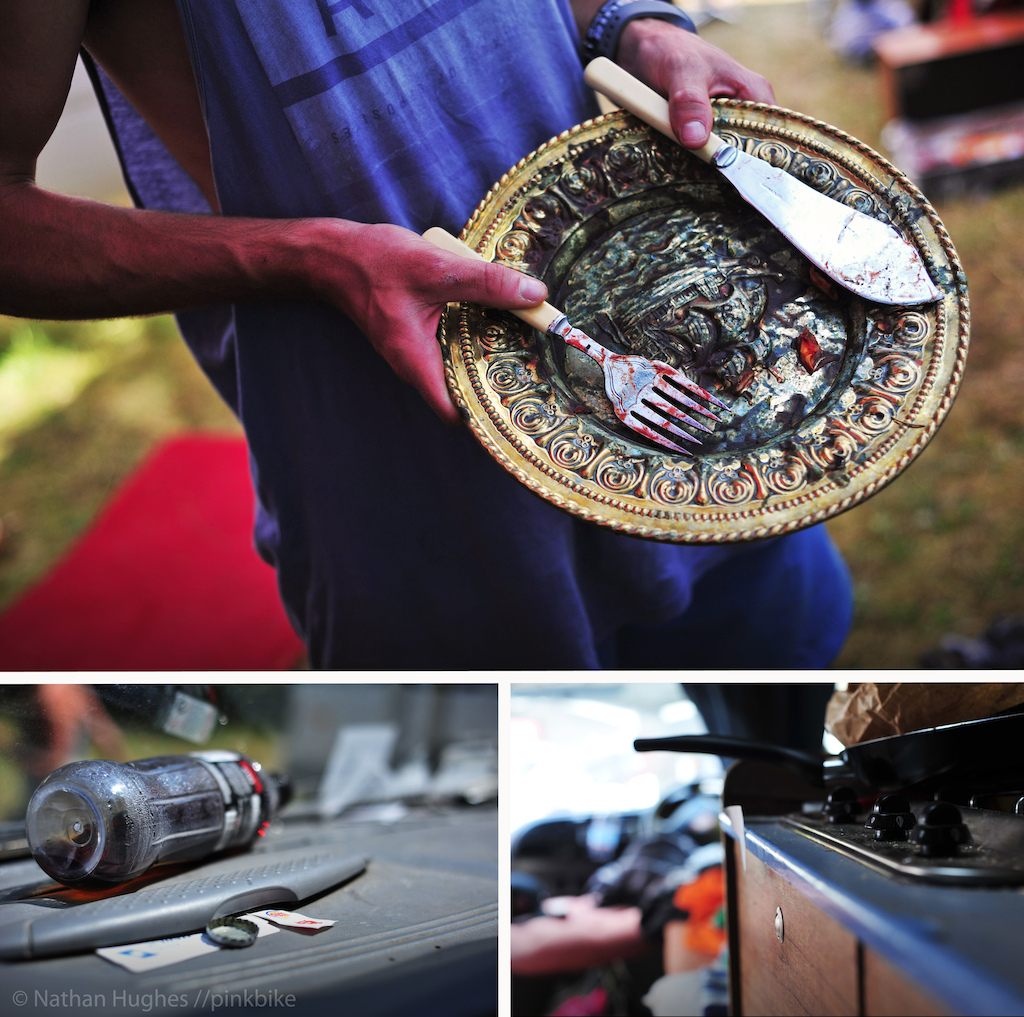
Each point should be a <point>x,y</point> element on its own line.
<point>398,542</point>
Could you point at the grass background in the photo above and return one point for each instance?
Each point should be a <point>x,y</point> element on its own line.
<point>937,551</point>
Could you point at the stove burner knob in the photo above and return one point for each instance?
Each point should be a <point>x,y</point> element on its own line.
<point>891,818</point>
<point>841,805</point>
<point>941,830</point>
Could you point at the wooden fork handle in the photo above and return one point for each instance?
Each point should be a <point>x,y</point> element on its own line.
<point>539,317</point>
<point>631,94</point>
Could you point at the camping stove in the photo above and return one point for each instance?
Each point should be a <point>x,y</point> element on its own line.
<point>966,838</point>
<point>842,899</point>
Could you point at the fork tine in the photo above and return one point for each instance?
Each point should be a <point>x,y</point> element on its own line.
<point>647,429</point>
<point>681,402</point>
<point>649,416</point>
<point>667,371</point>
<point>681,382</point>
<point>654,400</point>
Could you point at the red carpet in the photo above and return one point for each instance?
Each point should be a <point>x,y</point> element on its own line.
<point>165,579</point>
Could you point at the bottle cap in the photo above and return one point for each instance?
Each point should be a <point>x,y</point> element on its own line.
<point>232,932</point>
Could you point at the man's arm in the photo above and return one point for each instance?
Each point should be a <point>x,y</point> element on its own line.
<point>586,937</point>
<point>682,67</point>
<point>68,258</point>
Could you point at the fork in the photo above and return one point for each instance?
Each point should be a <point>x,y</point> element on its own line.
<point>648,396</point>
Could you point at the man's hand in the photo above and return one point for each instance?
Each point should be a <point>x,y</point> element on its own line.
<point>688,71</point>
<point>396,289</point>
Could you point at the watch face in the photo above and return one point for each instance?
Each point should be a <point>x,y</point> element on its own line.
<point>232,932</point>
<point>654,254</point>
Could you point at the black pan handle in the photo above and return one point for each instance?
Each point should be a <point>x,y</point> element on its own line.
<point>804,763</point>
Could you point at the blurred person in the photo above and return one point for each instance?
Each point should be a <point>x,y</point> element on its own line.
<point>856,24</point>
<point>74,720</point>
<point>283,158</point>
<point>649,912</point>
<point>572,955</point>
<point>574,933</point>
<point>56,724</point>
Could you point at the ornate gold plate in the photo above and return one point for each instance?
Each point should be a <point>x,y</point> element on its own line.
<point>649,251</point>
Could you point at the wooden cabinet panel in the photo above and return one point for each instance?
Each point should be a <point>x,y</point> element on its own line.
<point>887,992</point>
<point>814,969</point>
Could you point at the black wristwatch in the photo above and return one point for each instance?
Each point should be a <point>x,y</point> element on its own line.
<point>603,35</point>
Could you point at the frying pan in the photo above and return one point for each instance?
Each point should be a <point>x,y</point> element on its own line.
<point>951,753</point>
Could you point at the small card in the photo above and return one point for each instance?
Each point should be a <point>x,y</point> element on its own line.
<point>294,919</point>
<point>139,957</point>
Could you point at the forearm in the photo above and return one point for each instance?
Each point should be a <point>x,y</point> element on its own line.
<point>69,258</point>
<point>545,946</point>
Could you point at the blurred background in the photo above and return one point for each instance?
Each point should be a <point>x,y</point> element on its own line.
<point>342,746</point>
<point>571,750</point>
<point>572,761</point>
<point>934,85</point>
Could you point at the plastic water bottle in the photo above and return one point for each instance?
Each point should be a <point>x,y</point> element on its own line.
<point>108,822</point>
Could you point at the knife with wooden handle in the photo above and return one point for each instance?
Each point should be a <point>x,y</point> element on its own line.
<point>868,257</point>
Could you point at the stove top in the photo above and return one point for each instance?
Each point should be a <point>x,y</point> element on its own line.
<point>976,839</point>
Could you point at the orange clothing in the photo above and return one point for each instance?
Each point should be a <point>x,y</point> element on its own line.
<point>703,900</point>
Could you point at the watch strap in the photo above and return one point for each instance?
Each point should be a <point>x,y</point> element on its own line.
<point>602,37</point>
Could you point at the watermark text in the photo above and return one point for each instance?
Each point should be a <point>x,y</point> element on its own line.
<point>209,1000</point>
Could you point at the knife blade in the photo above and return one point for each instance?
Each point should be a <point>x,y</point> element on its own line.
<point>176,907</point>
<point>867,256</point>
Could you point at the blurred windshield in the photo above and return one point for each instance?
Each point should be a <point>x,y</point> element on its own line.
<point>343,746</point>
<point>571,749</point>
